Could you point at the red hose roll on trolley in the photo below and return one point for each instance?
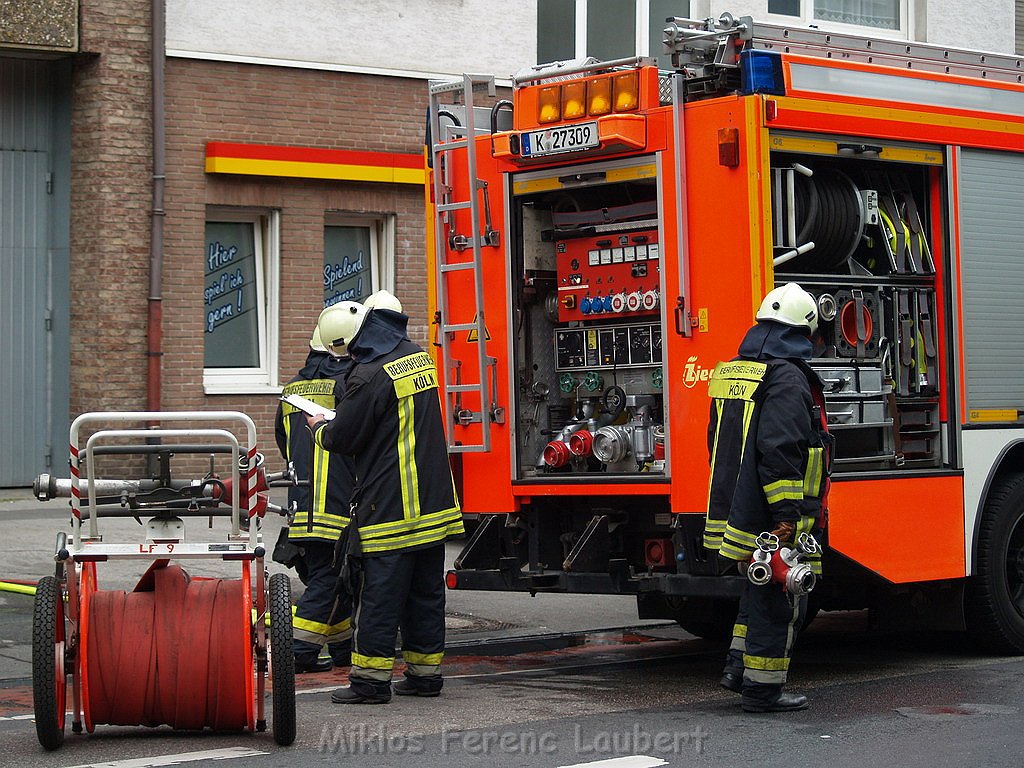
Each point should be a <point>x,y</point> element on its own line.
<point>189,654</point>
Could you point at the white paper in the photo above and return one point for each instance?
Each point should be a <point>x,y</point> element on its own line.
<point>308,406</point>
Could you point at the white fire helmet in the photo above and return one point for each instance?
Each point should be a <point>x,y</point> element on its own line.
<point>339,323</point>
<point>383,300</point>
<point>316,343</point>
<point>790,305</point>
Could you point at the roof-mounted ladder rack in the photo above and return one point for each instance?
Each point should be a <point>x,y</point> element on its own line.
<point>697,43</point>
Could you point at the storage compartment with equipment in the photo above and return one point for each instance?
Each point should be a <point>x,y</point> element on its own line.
<point>853,224</point>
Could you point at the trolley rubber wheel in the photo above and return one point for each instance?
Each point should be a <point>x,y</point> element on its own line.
<point>49,681</point>
<point>994,599</point>
<point>282,658</point>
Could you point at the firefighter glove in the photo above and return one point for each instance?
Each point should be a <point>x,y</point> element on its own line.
<point>785,530</point>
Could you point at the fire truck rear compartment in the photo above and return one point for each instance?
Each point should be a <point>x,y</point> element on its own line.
<point>588,325</point>
<point>872,269</point>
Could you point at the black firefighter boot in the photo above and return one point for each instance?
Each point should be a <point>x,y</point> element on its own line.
<point>419,685</point>
<point>785,702</point>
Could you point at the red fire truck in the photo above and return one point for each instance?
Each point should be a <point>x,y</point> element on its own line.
<point>602,238</point>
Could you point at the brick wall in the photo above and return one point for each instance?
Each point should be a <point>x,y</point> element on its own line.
<point>215,101</point>
<point>110,203</point>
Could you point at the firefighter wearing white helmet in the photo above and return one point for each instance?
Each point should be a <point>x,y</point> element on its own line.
<point>770,453</point>
<point>339,323</point>
<point>390,422</point>
<point>383,300</point>
<point>790,305</point>
<point>321,513</point>
<point>315,342</point>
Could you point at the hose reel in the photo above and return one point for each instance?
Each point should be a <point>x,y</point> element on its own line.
<point>822,208</point>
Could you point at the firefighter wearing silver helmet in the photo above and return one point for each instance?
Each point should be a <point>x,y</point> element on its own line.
<point>322,618</point>
<point>390,422</point>
<point>770,453</point>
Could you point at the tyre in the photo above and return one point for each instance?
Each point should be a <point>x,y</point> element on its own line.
<point>708,619</point>
<point>282,659</point>
<point>49,682</point>
<point>994,598</point>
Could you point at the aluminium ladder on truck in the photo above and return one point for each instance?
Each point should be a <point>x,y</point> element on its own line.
<point>703,44</point>
<point>449,244</point>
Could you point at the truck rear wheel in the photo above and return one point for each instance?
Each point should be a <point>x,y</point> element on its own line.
<point>995,594</point>
<point>714,621</point>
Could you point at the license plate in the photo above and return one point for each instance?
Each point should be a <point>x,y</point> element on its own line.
<point>565,138</point>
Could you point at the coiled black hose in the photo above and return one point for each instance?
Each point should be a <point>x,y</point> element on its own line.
<point>830,214</point>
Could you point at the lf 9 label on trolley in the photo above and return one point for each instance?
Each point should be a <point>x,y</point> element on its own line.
<point>565,138</point>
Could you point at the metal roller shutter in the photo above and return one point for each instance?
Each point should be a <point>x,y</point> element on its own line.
<point>992,265</point>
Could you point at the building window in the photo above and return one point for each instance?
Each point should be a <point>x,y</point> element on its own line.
<point>358,257</point>
<point>604,29</point>
<point>240,300</point>
<point>873,14</point>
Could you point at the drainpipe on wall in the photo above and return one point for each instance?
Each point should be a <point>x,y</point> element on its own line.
<point>156,242</point>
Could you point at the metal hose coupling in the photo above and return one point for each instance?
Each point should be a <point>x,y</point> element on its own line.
<point>759,571</point>
<point>773,562</point>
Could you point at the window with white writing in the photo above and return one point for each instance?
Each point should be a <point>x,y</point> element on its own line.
<point>349,263</point>
<point>230,311</point>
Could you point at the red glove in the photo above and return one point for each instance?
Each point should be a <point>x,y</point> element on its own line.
<point>785,531</point>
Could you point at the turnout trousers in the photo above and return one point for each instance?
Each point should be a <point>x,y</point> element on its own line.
<point>762,640</point>
<point>403,589</point>
<point>322,616</point>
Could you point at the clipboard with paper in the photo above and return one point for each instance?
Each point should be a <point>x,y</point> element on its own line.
<point>307,406</point>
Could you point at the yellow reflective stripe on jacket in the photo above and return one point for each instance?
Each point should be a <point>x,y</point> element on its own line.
<point>320,391</point>
<point>318,481</point>
<point>325,526</point>
<point>812,477</point>
<point>287,436</point>
<point>378,530</point>
<point>713,530</point>
<point>732,389</point>
<point>741,536</point>
<point>392,542</point>
<point>318,435</point>
<point>748,415</point>
<point>299,532</point>
<point>738,544</point>
<point>407,458</point>
<point>783,490</point>
<point>740,369</point>
<point>410,375</point>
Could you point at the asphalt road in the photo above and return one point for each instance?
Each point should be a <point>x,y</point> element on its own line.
<point>524,687</point>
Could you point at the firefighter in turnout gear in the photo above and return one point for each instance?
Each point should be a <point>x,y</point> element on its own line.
<point>321,617</point>
<point>405,505</point>
<point>770,452</point>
